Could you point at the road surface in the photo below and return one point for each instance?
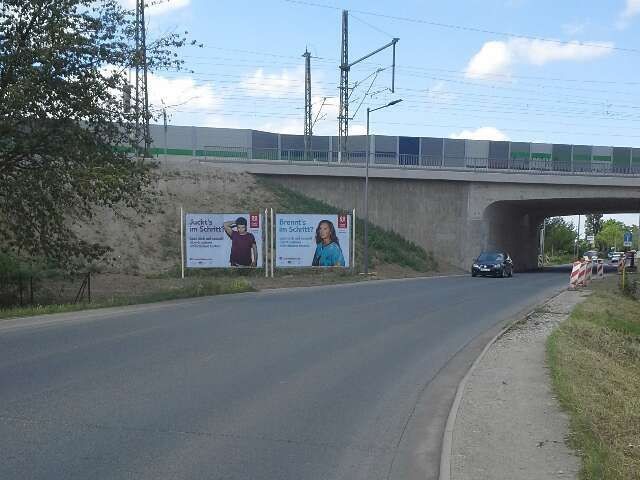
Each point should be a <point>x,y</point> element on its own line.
<point>340,382</point>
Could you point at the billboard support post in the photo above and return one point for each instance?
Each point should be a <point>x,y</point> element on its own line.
<point>271,239</point>
<point>353,240</point>
<point>266,246</point>
<point>182,241</point>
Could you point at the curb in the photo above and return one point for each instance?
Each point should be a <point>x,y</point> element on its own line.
<point>447,437</point>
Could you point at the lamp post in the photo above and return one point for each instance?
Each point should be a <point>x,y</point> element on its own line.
<point>366,187</point>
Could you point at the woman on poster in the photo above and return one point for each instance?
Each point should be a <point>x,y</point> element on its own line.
<point>328,252</point>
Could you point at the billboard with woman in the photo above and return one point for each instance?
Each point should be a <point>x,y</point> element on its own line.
<point>312,240</point>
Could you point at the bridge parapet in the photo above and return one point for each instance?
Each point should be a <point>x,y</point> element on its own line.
<point>535,165</point>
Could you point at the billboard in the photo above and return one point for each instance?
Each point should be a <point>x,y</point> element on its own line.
<point>310,240</point>
<point>224,240</point>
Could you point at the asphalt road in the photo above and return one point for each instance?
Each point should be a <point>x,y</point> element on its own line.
<point>342,382</point>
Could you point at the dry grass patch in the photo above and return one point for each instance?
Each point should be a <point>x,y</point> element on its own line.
<point>595,363</point>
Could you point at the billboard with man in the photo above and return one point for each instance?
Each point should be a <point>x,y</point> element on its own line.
<point>311,240</point>
<point>224,240</point>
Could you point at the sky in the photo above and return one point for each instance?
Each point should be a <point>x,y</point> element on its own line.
<point>522,70</point>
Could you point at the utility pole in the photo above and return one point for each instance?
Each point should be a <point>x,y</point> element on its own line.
<point>577,249</point>
<point>147,136</point>
<point>345,66</point>
<point>543,232</point>
<point>308,126</point>
<point>136,109</point>
<point>164,117</point>
<point>343,112</point>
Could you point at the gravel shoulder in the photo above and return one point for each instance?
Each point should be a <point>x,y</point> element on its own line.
<point>509,424</point>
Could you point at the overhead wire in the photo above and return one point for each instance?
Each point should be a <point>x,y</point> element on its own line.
<point>468,28</point>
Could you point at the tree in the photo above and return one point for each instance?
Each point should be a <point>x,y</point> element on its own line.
<point>559,235</point>
<point>593,223</point>
<point>611,235</point>
<point>63,69</point>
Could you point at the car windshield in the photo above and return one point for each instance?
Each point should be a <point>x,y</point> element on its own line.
<point>490,257</point>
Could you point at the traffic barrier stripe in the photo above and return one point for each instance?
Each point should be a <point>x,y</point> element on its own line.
<point>600,270</point>
<point>575,275</point>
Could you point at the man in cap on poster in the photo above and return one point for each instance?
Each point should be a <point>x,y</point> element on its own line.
<point>244,251</point>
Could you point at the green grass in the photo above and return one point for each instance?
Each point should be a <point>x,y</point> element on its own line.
<point>385,246</point>
<point>200,288</point>
<point>595,366</point>
<point>561,259</point>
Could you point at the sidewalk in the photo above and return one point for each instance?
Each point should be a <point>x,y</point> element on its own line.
<point>509,425</point>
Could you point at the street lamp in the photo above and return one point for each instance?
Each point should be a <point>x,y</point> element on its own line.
<point>366,187</point>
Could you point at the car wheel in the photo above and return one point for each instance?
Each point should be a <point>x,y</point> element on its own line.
<point>473,274</point>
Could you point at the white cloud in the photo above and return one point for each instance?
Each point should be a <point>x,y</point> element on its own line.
<point>482,133</point>
<point>355,129</point>
<point>632,8</point>
<point>291,127</point>
<point>158,7</point>
<point>182,93</point>
<point>497,57</point>
<point>274,85</point>
<point>493,58</point>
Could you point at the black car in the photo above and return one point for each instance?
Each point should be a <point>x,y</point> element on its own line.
<point>496,264</point>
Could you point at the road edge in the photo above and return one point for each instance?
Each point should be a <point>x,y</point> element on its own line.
<point>447,437</point>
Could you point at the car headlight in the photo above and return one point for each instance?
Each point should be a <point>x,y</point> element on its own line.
<point>475,265</point>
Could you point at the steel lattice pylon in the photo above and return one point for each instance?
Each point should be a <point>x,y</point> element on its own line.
<point>308,126</point>
<point>343,113</point>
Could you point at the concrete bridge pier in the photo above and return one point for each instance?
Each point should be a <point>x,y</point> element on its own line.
<point>514,230</point>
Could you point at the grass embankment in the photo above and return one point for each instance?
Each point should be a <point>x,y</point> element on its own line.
<point>595,364</point>
<point>385,246</point>
<point>386,249</point>
<point>193,288</point>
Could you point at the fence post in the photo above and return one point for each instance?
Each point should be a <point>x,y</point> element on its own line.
<point>279,156</point>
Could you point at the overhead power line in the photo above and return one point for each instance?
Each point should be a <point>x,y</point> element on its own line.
<point>468,28</point>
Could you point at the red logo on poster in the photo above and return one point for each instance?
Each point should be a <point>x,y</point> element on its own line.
<point>342,221</point>
<point>254,220</point>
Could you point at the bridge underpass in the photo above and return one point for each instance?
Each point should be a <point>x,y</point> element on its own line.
<point>514,225</point>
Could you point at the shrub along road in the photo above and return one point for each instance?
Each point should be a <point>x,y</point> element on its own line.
<point>345,381</point>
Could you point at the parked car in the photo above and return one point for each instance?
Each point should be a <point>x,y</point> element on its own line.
<point>615,257</point>
<point>591,255</point>
<point>497,264</point>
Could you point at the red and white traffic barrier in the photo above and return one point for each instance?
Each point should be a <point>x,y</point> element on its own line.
<point>582,275</point>
<point>574,280</point>
<point>600,269</point>
<point>589,268</point>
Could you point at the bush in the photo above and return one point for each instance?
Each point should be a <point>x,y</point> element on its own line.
<point>629,288</point>
<point>16,280</point>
